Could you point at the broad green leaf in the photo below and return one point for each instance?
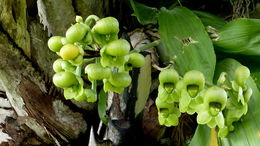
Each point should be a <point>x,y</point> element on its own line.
<point>185,42</point>
<point>247,130</point>
<point>255,73</point>
<point>102,104</point>
<point>254,67</point>
<point>201,137</point>
<point>239,36</point>
<point>144,84</point>
<point>210,19</point>
<point>144,14</point>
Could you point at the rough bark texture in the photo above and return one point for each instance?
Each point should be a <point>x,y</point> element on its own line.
<point>26,68</point>
<point>56,15</point>
<point>89,7</point>
<point>13,21</point>
<point>27,93</point>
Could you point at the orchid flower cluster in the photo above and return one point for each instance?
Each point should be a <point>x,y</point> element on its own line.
<point>217,106</point>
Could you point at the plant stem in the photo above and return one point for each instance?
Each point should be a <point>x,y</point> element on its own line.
<point>86,60</point>
<point>147,46</point>
<point>213,137</point>
<point>91,18</point>
<point>94,83</point>
<point>78,70</point>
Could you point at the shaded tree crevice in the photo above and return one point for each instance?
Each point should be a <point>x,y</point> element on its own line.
<point>13,20</point>
<point>14,69</point>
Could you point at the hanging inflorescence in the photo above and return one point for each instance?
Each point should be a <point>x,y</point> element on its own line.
<point>94,45</point>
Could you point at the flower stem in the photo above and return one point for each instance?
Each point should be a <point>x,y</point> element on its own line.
<point>91,18</point>
<point>147,46</point>
<point>79,70</point>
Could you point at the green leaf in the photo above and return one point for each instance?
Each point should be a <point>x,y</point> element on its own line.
<point>144,14</point>
<point>247,130</point>
<point>185,42</point>
<point>144,84</point>
<point>102,104</point>
<point>239,36</point>
<point>210,19</point>
<point>255,74</point>
<point>201,137</point>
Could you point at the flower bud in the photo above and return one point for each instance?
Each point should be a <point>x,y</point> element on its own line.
<point>55,44</point>
<point>241,75</point>
<point>64,79</point>
<point>96,71</point>
<point>69,52</point>
<point>77,32</point>
<point>135,60</point>
<point>117,48</point>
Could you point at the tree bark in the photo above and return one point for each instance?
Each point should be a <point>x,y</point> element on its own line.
<point>26,69</point>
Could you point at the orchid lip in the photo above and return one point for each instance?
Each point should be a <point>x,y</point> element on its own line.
<point>214,108</point>
<point>193,90</point>
<point>169,87</point>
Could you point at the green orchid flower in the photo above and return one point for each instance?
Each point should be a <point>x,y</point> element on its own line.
<point>167,89</point>
<point>190,91</point>
<point>79,93</point>
<point>115,53</point>
<point>168,114</point>
<point>96,71</point>
<point>215,99</point>
<point>105,30</point>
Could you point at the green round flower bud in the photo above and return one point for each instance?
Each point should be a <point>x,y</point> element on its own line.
<point>79,19</point>
<point>57,65</point>
<point>77,32</point>
<point>55,44</point>
<point>120,79</point>
<point>215,98</point>
<point>241,75</point>
<point>64,79</point>
<point>136,60</point>
<point>96,71</point>
<point>108,25</point>
<point>69,52</point>
<point>119,47</point>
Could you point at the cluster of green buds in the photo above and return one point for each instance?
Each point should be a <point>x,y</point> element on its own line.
<point>92,44</point>
<point>216,105</point>
<point>239,95</point>
<point>67,77</point>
